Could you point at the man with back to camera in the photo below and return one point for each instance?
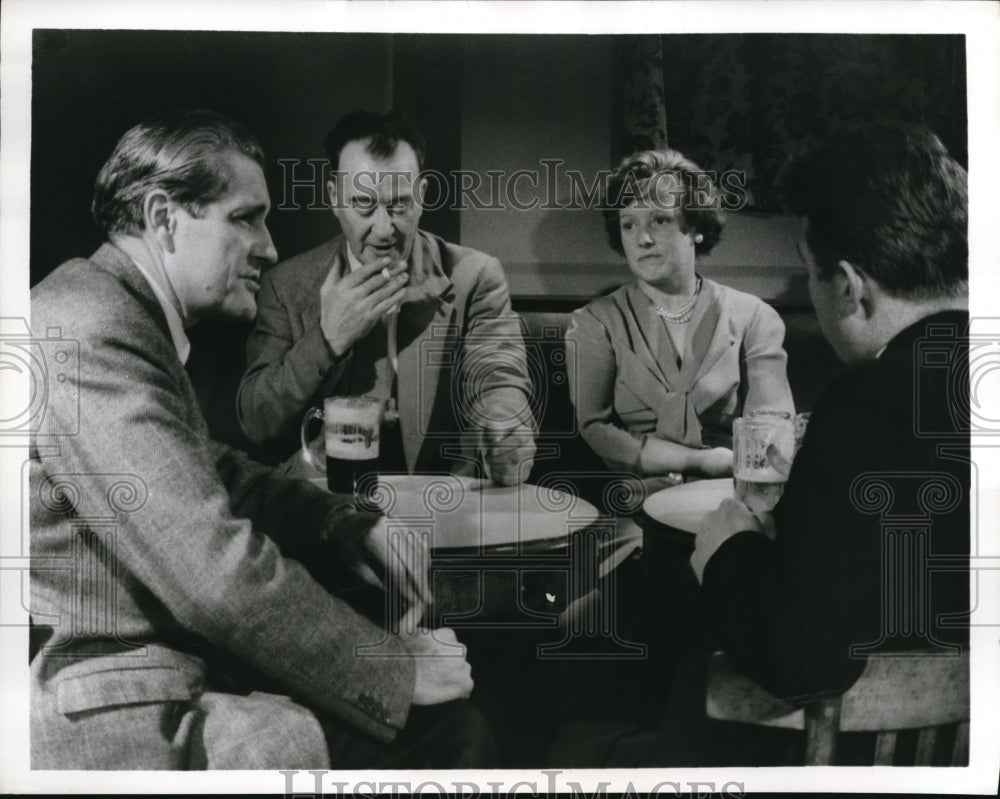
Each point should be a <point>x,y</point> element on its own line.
<point>884,239</point>
<point>164,563</point>
<point>325,315</point>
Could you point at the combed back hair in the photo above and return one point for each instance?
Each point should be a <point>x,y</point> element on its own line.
<point>177,152</point>
<point>638,171</point>
<point>891,201</point>
<point>381,132</point>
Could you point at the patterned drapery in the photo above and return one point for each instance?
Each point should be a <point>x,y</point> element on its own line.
<point>752,102</point>
<point>640,103</point>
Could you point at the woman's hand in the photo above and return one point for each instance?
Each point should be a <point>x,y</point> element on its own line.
<point>658,457</point>
<point>715,462</point>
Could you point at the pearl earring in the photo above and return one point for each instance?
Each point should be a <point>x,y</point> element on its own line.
<point>698,239</point>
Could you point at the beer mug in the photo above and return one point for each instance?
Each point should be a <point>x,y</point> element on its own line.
<point>763,448</point>
<point>350,437</point>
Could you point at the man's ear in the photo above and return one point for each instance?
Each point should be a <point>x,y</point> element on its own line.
<point>852,289</point>
<point>421,190</point>
<point>159,217</point>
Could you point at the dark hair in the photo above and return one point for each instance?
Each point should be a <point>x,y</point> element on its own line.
<point>891,201</point>
<point>636,171</point>
<point>177,152</point>
<point>383,133</point>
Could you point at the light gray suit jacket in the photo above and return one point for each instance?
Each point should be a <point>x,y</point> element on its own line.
<point>155,550</point>
<point>461,353</point>
<point>626,384</point>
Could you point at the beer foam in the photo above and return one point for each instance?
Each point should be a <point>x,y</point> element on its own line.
<point>349,404</point>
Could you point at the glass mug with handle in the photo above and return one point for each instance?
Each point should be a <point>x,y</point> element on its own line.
<point>351,428</point>
<point>763,449</point>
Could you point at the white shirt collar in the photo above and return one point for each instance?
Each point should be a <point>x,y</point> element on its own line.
<point>174,322</point>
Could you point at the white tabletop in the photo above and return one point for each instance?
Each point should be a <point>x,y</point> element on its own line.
<point>464,512</point>
<point>683,507</point>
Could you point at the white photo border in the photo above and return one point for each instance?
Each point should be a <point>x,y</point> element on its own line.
<point>978,21</point>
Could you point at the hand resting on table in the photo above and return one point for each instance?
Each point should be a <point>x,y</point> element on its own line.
<point>730,518</point>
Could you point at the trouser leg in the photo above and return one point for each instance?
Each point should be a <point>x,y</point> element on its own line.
<point>453,735</point>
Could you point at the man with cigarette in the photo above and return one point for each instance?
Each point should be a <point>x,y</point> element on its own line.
<point>175,625</point>
<point>388,310</point>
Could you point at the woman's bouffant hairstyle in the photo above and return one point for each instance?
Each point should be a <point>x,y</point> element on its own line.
<point>701,203</point>
<point>177,152</point>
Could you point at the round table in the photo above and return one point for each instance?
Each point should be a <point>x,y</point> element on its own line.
<point>670,521</point>
<point>681,508</point>
<point>497,552</point>
<point>466,514</point>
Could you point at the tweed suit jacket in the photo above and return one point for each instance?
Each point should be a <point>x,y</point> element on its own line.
<point>625,382</point>
<point>156,552</point>
<point>461,354</point>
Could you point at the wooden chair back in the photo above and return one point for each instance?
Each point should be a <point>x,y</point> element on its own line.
<point>906,690</point>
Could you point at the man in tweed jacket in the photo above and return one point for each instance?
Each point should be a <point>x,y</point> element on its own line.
<point>163,563</point>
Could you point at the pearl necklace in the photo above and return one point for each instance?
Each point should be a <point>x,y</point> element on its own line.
<point>682,314</point>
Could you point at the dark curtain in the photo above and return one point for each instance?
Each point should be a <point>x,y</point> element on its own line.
<point>752,102</point>
<point>639,102</point>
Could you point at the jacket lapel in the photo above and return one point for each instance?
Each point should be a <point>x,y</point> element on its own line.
<point>118,264</point>
<point>309,301</point>
<point>427,278</point>
<point>428,337</point>
<point>114,261</point>
<point>706,341</point>
<point>642,347</point>
<point>710,334</point>
<point>666,358</point>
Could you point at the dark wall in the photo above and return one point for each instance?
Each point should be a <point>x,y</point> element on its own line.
<point>90,86</point>
<point>288,88</point>
<point>483,102</point>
